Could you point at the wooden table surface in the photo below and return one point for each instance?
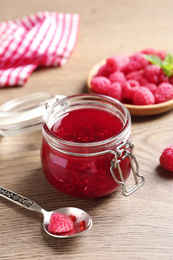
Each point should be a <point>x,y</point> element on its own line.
<point>135,227</point>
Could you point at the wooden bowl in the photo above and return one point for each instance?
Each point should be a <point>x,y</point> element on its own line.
<point>134,109</point>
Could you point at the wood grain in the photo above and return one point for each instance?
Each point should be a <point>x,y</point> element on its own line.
<point>135,227</point>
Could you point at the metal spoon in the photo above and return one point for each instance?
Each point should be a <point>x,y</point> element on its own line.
<point>31,205</point>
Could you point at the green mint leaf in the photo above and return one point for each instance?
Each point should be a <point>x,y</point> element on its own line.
<point>167,68</point>
<point>169,58</point>
<point>166,65</point>
<point>153,59</point>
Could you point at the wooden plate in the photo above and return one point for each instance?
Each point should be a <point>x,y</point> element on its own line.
<point>134,109</point>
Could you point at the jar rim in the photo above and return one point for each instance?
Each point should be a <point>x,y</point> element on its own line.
<point>53,139</point>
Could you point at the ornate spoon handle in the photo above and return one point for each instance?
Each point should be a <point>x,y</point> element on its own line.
<point>20,200</point>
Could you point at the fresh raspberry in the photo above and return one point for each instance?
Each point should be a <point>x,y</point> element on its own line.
<point>100,85</point>
<point>136,75</point>
<point>150,51</point>
<point>117,76</point>
<point>143,81</point>
<point>137,62</point>
<point>60,223</point>
<point>162,77</point>
<point>152,87</point>
<point>117,62</point>
<point>160,53</point>
<point>129,89</point>
<point>171,80</point>
<point>164,92</point>
<point>102,71</point>
<point>133,83</point>
<point>166,158</point>
<point>151,72</point>
<point>143,96</point>
<point>115,91</point>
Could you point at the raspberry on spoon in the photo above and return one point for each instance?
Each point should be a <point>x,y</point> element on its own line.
<point>60,223</point>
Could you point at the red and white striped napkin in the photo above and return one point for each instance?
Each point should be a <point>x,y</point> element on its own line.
<point>41,39</point>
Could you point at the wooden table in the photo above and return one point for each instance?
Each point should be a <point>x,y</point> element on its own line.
<point>135,227</point>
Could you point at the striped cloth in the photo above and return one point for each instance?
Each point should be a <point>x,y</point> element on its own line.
<point>41,39</point>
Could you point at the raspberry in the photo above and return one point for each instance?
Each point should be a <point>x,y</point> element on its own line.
<point>143,96</point>
<point>163,93</point>
<point>117,76</point>
<point>151,72</point>
<point>60,223</point>
<point>152,87</point>
<point>133,83</point>
<point>166,158</point>
<point>136,75</point>
<point>137,62</point>
<point>162,77</point>
<point>115,91</point>
<point>115,63</point>
<point>161,54</point>
<point>143,81</point>
<point>129,89</point>
<point>100,85</point>
<point>102,71</point>
<point>171,80</point>
<point>151,51</point>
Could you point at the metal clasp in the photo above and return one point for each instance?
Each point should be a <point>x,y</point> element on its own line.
<point>56,99</point>
<point>123,151</point>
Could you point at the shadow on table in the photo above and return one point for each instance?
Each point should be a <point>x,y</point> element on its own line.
<point>164,174</point>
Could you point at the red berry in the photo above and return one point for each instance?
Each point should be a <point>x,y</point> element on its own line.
<point>100,85</point>
<point>133,83</point>
<point>143,81</point>
<point>161,54</point>
<point>164,92</point>
<point>171,80</point>
<point>115,91</point>
<point>151,51</point>
<point>151,72</point>
<point>102,71</point>
<point>162,77</point>
<point>152,87</point>
<point>143,96</point>
<point>136,75</point>
<point>129,89</point>
<point>166,158</point>
<point>117,76</point>
<point>137,62</point>
<point>60,223</point>
<point>117,62</point>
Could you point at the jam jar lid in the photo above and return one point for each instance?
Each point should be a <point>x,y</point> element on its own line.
<point>23,115</point>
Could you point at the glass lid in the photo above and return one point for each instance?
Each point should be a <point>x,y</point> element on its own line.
<point>24,114</point>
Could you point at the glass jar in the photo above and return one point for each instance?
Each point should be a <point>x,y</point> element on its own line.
<point>88,169</point>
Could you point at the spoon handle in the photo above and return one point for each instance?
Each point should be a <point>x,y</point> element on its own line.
<point>19,199</point>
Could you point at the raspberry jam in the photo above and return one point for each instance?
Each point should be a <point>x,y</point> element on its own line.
<point>87,125</point>
<point>81,136</point>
